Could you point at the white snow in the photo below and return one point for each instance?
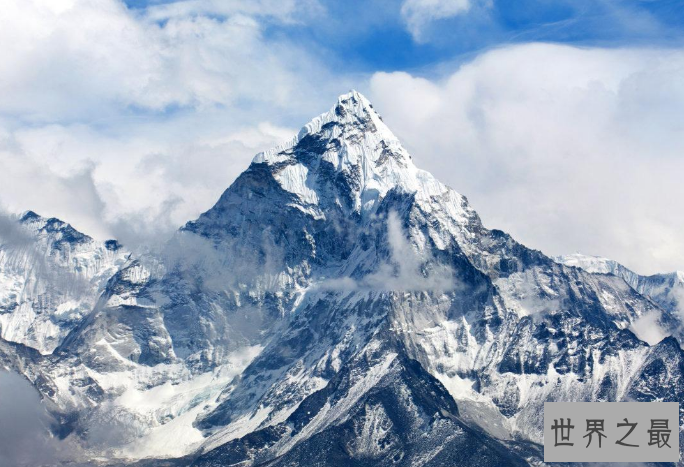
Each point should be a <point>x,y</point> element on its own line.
<point>49,288</point>
<point>170,408</point>
<point>293,178</point>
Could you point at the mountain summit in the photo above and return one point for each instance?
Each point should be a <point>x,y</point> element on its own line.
<point>353,121</point>
<point>344,159</point>
<point>338,306</point>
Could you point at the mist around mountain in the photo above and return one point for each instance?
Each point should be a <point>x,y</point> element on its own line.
<point>337,306</point>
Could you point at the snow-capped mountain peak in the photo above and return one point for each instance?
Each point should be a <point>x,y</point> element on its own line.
<point>352,142</point>
<point>339,306</point>
<point>352,109</point>
<point>51,275</point>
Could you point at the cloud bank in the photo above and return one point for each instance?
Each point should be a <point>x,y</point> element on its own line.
<point>129,122</point>
<point>568,149</point>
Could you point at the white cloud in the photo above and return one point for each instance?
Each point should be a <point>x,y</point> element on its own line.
<point>133,188</point>
<point>568,149</point>
<point>66,59</point>
<point>85,91</point>
<point>420,13</point>
<point>648,329</point>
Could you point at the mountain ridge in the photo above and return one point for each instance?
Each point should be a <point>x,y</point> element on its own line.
<point>328,262</point>
<point>665,289</point>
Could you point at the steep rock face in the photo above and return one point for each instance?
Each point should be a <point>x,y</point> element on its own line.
<point>661,378</point>
<point>503,327</point>
<point>666,290</point>
<point>379,409</point>
<point>660,375</point>
<point>51,275</point>
<point>339,303</point>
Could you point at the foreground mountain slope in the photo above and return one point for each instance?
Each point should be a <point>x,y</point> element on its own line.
<point>331,288</point>
<point>379,409</point>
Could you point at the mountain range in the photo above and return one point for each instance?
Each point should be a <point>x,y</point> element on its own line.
<point>337,306</point>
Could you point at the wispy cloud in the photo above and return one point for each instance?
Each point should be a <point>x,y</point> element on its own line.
<point>648,329</point>
<point>288,11</point>
<point>11,233</point>
<point>407,269</point>
<point>678,294</point>
<point>420,13</point>
<point>467,25</point>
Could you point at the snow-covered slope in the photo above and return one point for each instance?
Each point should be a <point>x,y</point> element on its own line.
<point>340,305</point>
<point>51,275</point>
<point>666,290</point>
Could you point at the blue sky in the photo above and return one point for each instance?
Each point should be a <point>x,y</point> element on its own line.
<point>559,119</point>
<point>372,35</point>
